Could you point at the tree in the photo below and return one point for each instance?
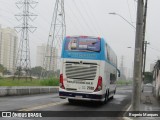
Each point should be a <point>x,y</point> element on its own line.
<point>36,71</point>
<point>2,68</point>
<point>18,71</point>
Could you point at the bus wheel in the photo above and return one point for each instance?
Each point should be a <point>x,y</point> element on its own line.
<point>158,96</point>
<point>113,94</point>
<point>106,98</point>
<point>115,91</point>
<point>70,100</point>
<point>111,97</point>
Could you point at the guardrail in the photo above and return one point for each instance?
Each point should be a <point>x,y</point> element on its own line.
<point>26,90</point>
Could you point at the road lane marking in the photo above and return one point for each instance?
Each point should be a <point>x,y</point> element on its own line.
<point>42,106</point>
<point>127,118</point>
<point>129,108</point>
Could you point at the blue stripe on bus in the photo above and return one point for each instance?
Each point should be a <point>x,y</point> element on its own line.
<point>86,55</point>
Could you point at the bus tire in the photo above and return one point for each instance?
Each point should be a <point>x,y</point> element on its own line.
<point>115,91</point>
<point>106,98</point>
<point>158,95</point>
<point>70,100</point>
<point>113,94</point>
<point>112,97</point>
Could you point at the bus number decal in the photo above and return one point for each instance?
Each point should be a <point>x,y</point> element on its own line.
<point>90,88</point>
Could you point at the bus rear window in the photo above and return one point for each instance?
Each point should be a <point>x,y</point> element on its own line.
<point>82,44</point>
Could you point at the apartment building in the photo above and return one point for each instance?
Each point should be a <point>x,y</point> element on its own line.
<point>41,53</point>
<point>8,48</point>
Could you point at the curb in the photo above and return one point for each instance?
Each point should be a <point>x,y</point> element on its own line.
<point>26,90</point>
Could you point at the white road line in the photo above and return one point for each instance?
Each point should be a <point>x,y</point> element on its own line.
<point>42,106</point>
<point>127,118</point>
<point>129,108</point>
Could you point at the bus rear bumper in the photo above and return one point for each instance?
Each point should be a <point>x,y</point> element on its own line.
<point>81,96</point>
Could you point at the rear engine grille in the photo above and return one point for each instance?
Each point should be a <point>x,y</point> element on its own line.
<point>81,71</point>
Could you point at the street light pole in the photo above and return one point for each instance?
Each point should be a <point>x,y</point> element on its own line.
<point>144,47</point>
<point>137,74</point>
<point>113,13</point>
<point>144,59</point>
<point>139,59</point>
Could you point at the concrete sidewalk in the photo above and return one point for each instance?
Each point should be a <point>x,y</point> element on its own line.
<point>148,103</point>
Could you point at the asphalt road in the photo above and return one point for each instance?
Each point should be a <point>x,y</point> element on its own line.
<point>51,102</point>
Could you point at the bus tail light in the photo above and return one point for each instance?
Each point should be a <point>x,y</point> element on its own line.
<point>84,36</point>
<point>99,84</point>
<point>99,38</point>
<point>61,85</point>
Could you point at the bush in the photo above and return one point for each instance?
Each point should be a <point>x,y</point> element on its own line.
<point>50,82</point>
<point>33,82</point>
<point>123,82</point>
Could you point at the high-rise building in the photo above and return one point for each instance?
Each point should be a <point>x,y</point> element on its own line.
<point>41,53</point>
<point>8,48</point>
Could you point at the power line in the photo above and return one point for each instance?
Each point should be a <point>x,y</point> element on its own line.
<point>154,48</point>
<point>8,19</point>
<point>83,17</point>
<point>135,8</point>
<point>72,21</point>
<point>10,12</point>
<point>129,11</point>
<point>56,35</point>
<point>89,16</point>
<point>97,23</point>
<point>77,20</point>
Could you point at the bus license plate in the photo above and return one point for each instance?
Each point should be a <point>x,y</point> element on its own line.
<point>78,96</point>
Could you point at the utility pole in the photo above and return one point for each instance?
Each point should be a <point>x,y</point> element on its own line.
<point>23,62</point>
<point>144,42</point>
<point>122,67</point>
<point>144,60</point>
<point>137,74</point>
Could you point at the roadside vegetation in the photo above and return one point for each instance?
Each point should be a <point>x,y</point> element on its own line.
<point>123,82</point>
<point>148,78</point>
<point>28,82</point>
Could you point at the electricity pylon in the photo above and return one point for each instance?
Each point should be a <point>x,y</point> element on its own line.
<point>23,62</point>
<point>54,44</point>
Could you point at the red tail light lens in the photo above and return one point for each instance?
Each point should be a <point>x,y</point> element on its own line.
<point>61,85</point>
<point>99,38</point>
<point>99,84</point>
<point>84,36</point>
<point>68,36</point>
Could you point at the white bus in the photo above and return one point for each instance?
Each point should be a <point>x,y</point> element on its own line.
<point>156,80</point>
<point>88,69</point>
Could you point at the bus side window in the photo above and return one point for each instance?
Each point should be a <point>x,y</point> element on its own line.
<point>112,78</point>
<point>108,53</point>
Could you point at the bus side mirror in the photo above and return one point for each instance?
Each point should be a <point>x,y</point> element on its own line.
<point>119,75</point>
